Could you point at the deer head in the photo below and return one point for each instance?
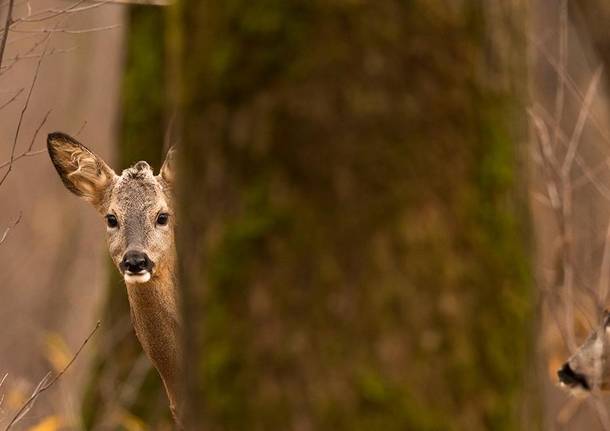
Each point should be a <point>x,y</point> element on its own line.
<point>138,209</point>
<point>137,206</point>
<point>587,368</point>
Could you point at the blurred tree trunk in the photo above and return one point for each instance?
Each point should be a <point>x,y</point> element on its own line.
<point>353,243</point>
<point>142,138</point>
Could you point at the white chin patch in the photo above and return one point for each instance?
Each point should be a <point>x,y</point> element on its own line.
<point>137,278</point>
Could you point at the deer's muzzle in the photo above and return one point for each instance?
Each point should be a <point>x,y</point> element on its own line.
<point>136,267</point>
<point>568,377</point>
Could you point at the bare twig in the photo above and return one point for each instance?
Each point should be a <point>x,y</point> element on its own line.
<point>580,124</point>
<point>7,25</point>
<point>549,161</point>
<point>589,177</point>
<point>560,290</point>
<point>19,123</point>
<point>568,410</point>
<point>24,410</point>
<point>604,275</point>
<point>139,2</point>
<point>23,155</point>
<point>6,232</point>
<point>540,115</point>
<point>16,59</point>
<point>17,3</point>
<point>573,87</point>
<point>600,408</point>
<point>1,383</point>
<point>124,398</point>
<point>37,131</point>
<point>48,14</point>
<point>67,30</point>
<point>563,58</point>
<point>34,46</point>
<point>12,99</point>
<point>29,152</point>
<point>51,13</point>
<point>81,128</point>
<point>567,230</point>
<point>46,383</point>
<point>16,40</point>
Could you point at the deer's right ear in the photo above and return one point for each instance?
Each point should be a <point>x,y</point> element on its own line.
<point>82,172</point>
<point>167,171</point>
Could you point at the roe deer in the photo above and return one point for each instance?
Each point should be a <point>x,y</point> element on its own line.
<point>138,208</point>
<point>589,367</point>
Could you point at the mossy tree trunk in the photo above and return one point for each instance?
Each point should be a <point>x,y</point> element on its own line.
<point>352,240</point>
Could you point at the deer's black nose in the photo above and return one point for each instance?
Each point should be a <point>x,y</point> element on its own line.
<point>136,262</point>
<point>568,377</point>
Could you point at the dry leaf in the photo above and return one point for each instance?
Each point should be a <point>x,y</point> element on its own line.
<point>50,423</point>
<point>56,351</point>
<point>131,422</point>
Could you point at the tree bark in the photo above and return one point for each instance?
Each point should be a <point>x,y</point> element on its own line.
<point>353,237</point>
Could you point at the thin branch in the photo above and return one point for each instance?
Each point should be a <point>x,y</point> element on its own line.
<point>68,31</point>
<point>138,2</point>
<point>563,59</point>
<point>33,47</point>
<point>45,384</point>
<point>589,176</point>
<point>580,123</point>
<point>35,135</point>
<point>568,410</point>
<point>559,292</point>
<point>588,173</point>
<point>567,231</point>
<point>16,40</point>
<point>27,407</point>
<point>28,55</point>
<point>47,14</point>
<point>17,3</point>
<point>122,398</point>
<point>12,99</point>
<point>7,24</point>
<point>572,86</point>
<point>604,274</point>
<point>3,238</point>
<point>25,107</point>
<point>1,383</point>
<point>81,128</point>
<point>600,408</point>
<point>29,152</point>
<point>23,155</point>
<point>548,158</point>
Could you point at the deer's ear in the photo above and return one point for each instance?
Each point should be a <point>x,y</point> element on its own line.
<point>82,171</point>
<point>167,171</point>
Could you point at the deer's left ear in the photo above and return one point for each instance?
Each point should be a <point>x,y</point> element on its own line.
<point>606,319</point>
<point>83,172</point>
<point>167,171</point>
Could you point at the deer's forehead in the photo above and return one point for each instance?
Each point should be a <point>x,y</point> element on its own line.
<point>137,193</point>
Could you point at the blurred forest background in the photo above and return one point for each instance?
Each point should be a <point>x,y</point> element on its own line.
<point>373,234</point>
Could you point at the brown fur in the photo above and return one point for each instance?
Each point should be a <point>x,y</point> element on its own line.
<point>135,198</point>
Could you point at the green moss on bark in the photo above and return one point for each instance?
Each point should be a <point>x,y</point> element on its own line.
<point>356,257</point>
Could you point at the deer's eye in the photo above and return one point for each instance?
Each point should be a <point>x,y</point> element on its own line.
<point>162,219</point>
<point>111,221</point>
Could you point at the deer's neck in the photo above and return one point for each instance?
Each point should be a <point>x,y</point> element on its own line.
<point>156,320</point>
